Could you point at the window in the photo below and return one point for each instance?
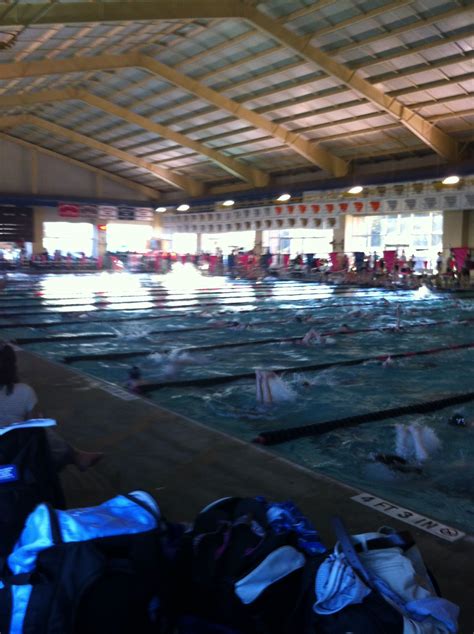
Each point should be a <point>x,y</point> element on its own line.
<point>228,241</point>
<point>183,243</point>
<point>68,237</point>
<point>418,234</point>
<point>294,241</point>
<point>127,237</point>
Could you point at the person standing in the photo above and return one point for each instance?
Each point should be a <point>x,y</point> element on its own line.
<point>439,263</point>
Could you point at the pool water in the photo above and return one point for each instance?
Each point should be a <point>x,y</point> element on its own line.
<point>176,329</point>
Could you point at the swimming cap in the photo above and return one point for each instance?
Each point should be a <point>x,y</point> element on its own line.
<point>457,420</point>
<point>134,372</point>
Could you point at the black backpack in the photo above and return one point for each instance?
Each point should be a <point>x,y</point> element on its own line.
<point>27,477</point>
<point>247,573</point>
<point>99,570</point>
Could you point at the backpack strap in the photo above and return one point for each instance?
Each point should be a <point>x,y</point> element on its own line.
<point>56,535</point>
<point>145,506</point>
<point>372,580</point>
<point>403,540</point>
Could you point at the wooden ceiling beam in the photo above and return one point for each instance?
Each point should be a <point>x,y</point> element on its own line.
<point>432,136</point>
<point>311,151</point>
<point>93,12</point>
<point>255,177</point>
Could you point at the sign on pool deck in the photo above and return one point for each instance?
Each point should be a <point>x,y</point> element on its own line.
<point>410,517</point>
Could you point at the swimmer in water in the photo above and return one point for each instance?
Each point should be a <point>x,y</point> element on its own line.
<point>301,318</point>
<point>134,381</point>
<point>414,446</point>
<point>396,463</point>
<point>271,388</point>
<point>344,328</point>
<point>311,337</point>
<point>236,325</point>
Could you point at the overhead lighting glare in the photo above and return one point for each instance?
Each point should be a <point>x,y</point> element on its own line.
<point>355,190</point>
<point>160,210</point>
<point>183,207</point>
<point>283,198</point>
<point>451,180</point>
<point>228,203</point>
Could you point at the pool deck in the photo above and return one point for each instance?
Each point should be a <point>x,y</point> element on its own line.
<point>185,465</point>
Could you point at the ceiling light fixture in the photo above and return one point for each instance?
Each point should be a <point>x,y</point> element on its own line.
<point>355,190</point>
<point>160,210</point>
<point>283,198</point>
<point>451,180</point>
<point>228,203</point>
<point>183,207</point>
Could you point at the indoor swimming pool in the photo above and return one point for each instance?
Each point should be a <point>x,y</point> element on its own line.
<point>198,341</point>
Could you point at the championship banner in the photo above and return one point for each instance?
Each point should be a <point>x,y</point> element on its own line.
<point>88,211</point>
<point>392,205</point>
<point>108,212</point>
<point>374,206</point>
<point>343,207</point>
<point>468,201</point>
<point>429,203</point>
<point>450,201</point>
<point>329,208</point>
<point>357,206</point>
<point>126,213</point>
<point>410,204</point>
<point>68,210</point>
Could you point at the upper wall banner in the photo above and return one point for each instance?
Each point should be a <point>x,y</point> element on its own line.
<point>323,209</point>
<point>105,212</point>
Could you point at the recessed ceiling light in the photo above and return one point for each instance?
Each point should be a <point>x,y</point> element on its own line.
<point>183,207</point>
<point>160,210</point>
<point>283,198</point>
<point>355,190</point>
<point>228,203</point>
<point>451,180</point>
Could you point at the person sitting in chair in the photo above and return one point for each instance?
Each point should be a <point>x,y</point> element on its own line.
<point>18,403</point>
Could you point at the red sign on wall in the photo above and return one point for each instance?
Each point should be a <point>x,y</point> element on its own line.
<point>68,210</point>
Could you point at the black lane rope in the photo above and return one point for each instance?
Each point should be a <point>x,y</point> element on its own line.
<point>243,301</point>
<point>59,338</point>
<point>279,436</point>
<point>239,344</point>
<point>257,310</point>
<point>99,300</point>
<point>216,380</point>
<point>299,287</point>
<point>166,304</point>
<point>65,337</point>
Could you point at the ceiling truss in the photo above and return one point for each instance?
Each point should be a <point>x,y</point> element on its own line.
<point>334,99</point>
